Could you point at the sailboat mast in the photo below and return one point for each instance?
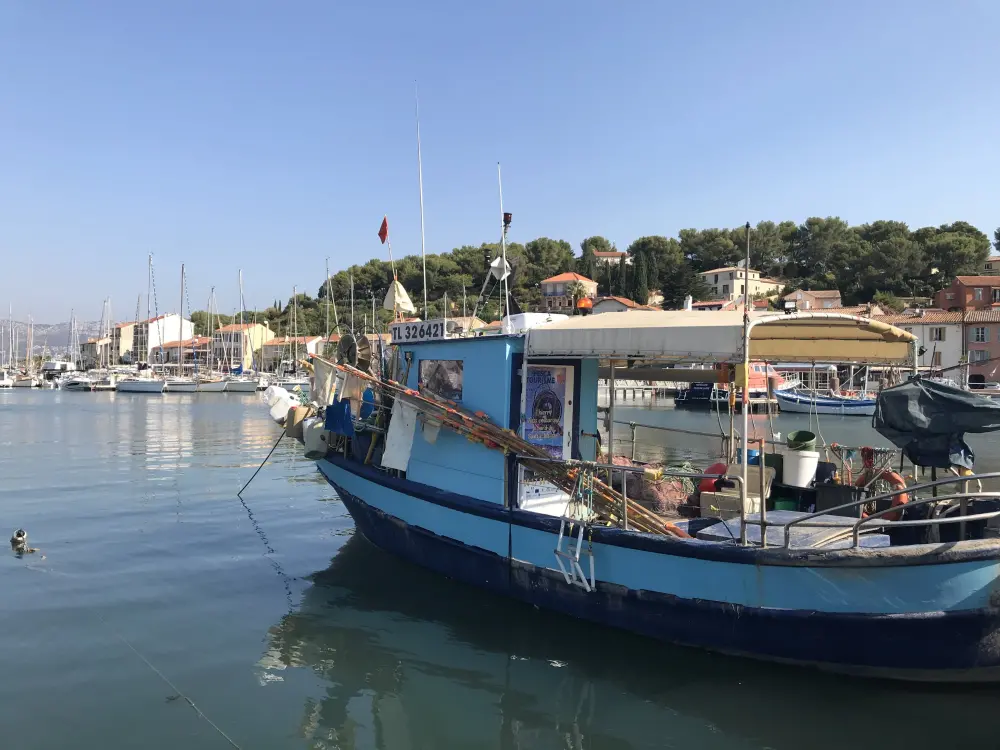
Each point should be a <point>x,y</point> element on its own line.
<point>295,329</point>
<point>180,329</point>
<point>420,182</point>
<point>327,340</point>
<point>505,287</point>
<point>353,329</point>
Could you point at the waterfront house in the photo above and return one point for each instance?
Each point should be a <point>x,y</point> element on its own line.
<point>557,291</point>
<point>992,266</point>
<point>939,333</point>
<point>239,344</point>
<point>149,336</point>
<point>195,351</point>
<point>122,342</point>
<point>982,341</point>
<point>970,293</point>
<point>95,352</point>
<point>817,299</point>
<point>612,257</point>
<point>280,348</point>
<point>728,283</point>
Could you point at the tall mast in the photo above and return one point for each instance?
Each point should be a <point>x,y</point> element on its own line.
<point>295,329</point>
<point>327,340</point>
<point>144,356</point>
<point>243,331</point>
<point>420,181</point>
<point>180,329</point>
<point>353,329</point>
<point>504,286</point>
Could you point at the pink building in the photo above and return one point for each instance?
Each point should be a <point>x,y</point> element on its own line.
<point>982,341</point>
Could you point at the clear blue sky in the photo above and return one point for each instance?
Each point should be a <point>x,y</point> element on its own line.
<point>269,135</point>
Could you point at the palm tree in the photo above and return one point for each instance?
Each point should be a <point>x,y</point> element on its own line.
<point>577,291</point>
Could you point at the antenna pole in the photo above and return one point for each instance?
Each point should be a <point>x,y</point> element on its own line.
<point>420,182</point>
<point>505,287</point>
<point>327,304</point>
<point>353,329</point>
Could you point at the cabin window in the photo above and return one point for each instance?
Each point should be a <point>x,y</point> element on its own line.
<point>937,334</point>
<point>442,377</point>
<point>978,355</point>
<point>980,335</point>
<point>996,295</point>
<point>978,294</point>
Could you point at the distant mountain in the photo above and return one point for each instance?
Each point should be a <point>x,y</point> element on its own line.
<point>52,338</point>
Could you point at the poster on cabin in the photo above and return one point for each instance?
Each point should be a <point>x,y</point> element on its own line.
<point>545,409</point>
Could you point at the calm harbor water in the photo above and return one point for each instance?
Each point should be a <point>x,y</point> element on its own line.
<point>287,631</point>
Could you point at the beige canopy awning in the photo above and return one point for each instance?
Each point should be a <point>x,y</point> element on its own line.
<point>717,336</point>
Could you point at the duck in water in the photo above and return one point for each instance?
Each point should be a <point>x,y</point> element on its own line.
<point>19,543</point>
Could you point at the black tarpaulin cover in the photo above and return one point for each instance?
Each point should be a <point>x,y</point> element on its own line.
<point>928,420</point>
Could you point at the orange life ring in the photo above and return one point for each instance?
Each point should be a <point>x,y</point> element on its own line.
<point>895,481</point>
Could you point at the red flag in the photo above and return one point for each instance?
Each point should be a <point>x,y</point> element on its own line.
<point>383,232</point>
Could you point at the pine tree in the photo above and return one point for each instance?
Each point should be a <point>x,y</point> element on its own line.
<point>640,281</point>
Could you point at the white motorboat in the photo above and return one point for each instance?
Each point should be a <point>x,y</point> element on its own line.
<point>140,385</point>
<point>107,382</point>
<point>6,381</point>
<point>26,381</point>
<point>77,383</point>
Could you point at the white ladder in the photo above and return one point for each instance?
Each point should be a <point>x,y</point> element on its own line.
<point>568,559</point>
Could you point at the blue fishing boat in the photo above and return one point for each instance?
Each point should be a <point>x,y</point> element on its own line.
<point>481,459</point>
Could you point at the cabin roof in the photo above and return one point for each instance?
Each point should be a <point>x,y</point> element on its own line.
<point>691,336</point>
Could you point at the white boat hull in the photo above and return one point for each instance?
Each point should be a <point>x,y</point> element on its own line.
<point>243,386</point>
<point>26,383</point>
<point>804,403</point>
<point>140,386</point>
<point>77,384</point>
<point>194,386</point>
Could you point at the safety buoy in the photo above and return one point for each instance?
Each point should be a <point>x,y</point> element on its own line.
<point>895,481</point>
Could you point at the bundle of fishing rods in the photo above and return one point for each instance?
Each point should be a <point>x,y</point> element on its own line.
<point>610,505</point>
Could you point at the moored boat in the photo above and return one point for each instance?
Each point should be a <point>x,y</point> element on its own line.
<point>77,383</point>
<point>139,385</point>
<point>244,384</point>
<point>488,471</point>
<point>804,401</point>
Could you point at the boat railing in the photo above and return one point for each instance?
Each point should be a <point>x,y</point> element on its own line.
<point>964,496</point>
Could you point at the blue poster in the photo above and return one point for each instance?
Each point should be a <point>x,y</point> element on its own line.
<point>545,408</point>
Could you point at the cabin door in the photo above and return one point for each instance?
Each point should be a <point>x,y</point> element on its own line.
<point>549,414</point>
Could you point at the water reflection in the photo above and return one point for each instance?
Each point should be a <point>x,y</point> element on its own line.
<point>414,660</point>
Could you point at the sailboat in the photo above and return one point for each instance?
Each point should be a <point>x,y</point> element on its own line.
<point>181,383</point>
<point>145,381</point>
<point>29,379</point>
<point>238,381</point>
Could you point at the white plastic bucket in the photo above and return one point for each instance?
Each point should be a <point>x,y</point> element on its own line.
<point>800,467</point>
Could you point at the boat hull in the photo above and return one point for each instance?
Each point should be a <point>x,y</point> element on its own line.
<point>77,385</point>
<point>834,616</point>
<point>139,386</point>
<point>804,404</point>
<point>26,383</point>
<point>208,386</point>
<point>242,386</point>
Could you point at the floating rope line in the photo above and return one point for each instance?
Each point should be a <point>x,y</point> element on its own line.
<point>177,690</point>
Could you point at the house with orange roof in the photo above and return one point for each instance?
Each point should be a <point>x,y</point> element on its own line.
<point>728,283</point>
<point>239,344</point>
<point>618,304</point>
<point>970,293</point>
<point>557,291</point>
<point>280,348</point>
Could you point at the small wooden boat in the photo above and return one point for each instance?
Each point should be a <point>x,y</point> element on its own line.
<point>804,401</point>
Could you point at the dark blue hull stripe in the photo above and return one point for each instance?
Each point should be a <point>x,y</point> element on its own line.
<point>663,544</point>
<point>938,646</point>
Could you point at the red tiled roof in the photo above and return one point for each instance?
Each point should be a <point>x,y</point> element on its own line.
<point>196,341</point>
<point>929,316</point>
<point>494,324</point>
<point>979,280</point>
<point>710,303</point>
<point>981,316</point>
<point>760,304</point>
<point>237,326</point>
<point>567,277</point>
<point>334,338</point>
<point>609,253</point>
<point>631,304</point>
